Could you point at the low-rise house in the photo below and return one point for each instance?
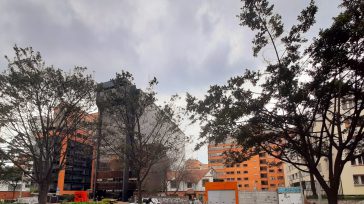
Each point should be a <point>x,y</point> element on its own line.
<point>190,182</point>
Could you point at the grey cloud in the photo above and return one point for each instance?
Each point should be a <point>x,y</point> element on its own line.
<point>188,45</point>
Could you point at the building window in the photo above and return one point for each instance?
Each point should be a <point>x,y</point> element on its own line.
<point>204,181</point>
<point>271,170</point>
<point>280,170</point>
<point>239,185</point>
<point>263,168</point>
<point>358,161</point>
<point>239,179</point>
<point>262,154</point>
<point>215,154</point>
<point>348,104</point>
<point>245,172</point>
<point>216,161</point>
<point>218,167</point>
<point>264,182</point>
<point>358,179</point>
<point>189,185</point>
<point>263,175</point>
<point>263,161</point>
<point>245,165</point>
<point>272,178</point>
<point>173,184</point>
<point>246,178</point>
<point>238,165</point>
<point>246,185</point>
<point>238,172</point>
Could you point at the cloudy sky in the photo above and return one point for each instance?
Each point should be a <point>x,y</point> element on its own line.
<point>187,44</point>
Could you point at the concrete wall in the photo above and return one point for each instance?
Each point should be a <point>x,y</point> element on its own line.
<point>258,197</point>
<point>172,200</point>
<point>347,180</point>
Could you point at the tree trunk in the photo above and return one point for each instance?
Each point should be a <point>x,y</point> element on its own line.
<point>43,191</point>
<point>140,199</point>
<point>14,188</point>
<point>125,179</point>
<point>332,197</point>
<point>313,186</point>
<point>97,161</point>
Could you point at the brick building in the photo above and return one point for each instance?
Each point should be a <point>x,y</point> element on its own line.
<point>258,173</point>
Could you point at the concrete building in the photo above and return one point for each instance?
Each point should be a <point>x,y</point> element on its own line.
<point>261,172</point>
<point>293,177</point>
<point>111,165</point>
<point>352,176</point>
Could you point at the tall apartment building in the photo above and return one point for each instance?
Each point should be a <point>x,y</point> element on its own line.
<point>78,166</point>
<point>75,154</point>
<point>258,173</point>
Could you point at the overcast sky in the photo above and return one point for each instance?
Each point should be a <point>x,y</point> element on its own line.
<point>187,44</point>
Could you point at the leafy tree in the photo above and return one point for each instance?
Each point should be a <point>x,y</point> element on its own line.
<point>41,107</point>
<point>12,176</point>
<point>309,107</point>
<point>138,131</point>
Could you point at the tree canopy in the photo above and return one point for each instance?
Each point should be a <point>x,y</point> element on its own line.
<point>309,104</point>
<point>41,107</point>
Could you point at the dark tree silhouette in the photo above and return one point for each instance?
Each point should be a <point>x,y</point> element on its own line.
<point>41,107</point>
<point>307,106</point>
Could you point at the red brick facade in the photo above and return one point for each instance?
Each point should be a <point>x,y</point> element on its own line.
<point>9,195</point>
